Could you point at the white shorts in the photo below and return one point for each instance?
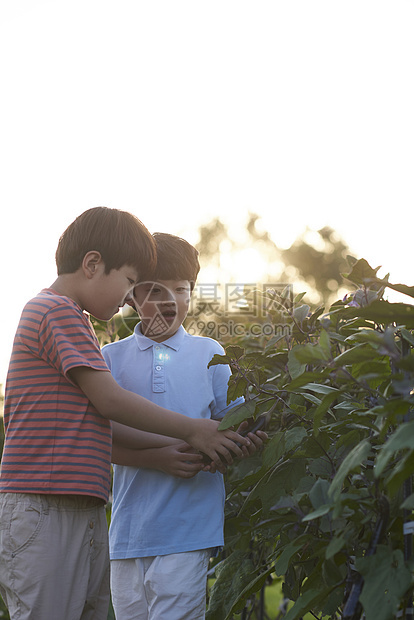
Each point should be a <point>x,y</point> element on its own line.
<point>162,587</point>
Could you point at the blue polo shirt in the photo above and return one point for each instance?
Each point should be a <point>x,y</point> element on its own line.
<point>154,513</point>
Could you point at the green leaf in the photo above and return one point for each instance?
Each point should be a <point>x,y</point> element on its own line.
<point>283,480</point>
<point>361,272</point>
<point>274,449</point>
<point>321,409</point>
<point>319,512</point>
<point>359,353</point>
<point>219,359</point>
<point>305,602</point>
<point>385,313</point>
<point>401,472</point>
<point>234,352</point>
<point>294,437</point>
<point>372,369</point>
<point>310,353</point>
<point>295,367</point>
<point>238,414</point>
<point>402,438</point>
<point>305,377</point>
<point>351,461</point>
<point>253,586</point>
<point>293,474</point>
<point>319,493</point>
<point>406,363</point>
<point>237,387</point>
<point>299,297</point>
<point>407,335</point>
<point>282,563</point>
<point>396,406</point>
<point>274,340</point>
<point>400,288</point>
<point>386,580</point>
<point>368,336</point>
<point>301,312</point>
<point>269,489</point>
<point>332,574</point>
<point>408,503</point>
<point>325,343</point>
<point>233,574</point>
<point>334,546</point>
<point>350,438</point>
<point>321,467</point>
<point>320,388</point>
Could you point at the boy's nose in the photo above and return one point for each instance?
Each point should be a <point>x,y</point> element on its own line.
<point>168,297</point>
<point>129,300</point>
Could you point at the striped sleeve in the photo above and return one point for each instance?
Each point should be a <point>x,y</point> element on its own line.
<point>66,340</point>
<point>56,441</point>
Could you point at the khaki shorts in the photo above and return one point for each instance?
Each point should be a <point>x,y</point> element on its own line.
<point>54,562</point>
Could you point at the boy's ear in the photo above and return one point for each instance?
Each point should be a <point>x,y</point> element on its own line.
<point>91,261</point>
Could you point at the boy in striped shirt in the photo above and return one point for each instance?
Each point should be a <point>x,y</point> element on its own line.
<point>59,400</point>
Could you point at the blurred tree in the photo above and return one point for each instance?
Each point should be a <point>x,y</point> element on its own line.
<point>316,259</point>
<point>211,236</point>
<point>320,264</point>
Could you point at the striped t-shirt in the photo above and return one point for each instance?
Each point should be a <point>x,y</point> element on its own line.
<point>55,440</point>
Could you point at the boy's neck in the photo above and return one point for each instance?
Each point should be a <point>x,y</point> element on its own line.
<point>159,338</point>
<point>66,285</point>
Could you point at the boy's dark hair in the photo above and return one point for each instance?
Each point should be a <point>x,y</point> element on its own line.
<point>120,237</point>
<point>176,259</point>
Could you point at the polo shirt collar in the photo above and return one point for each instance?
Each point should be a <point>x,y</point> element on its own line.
<point>174,342</point>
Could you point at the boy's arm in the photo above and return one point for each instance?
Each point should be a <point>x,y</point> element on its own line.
<point>178,459</point>
<point>115,403</point>
<point>134,439</point>
<point>135,448</point>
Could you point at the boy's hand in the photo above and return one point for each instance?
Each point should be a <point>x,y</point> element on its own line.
<point>179,460</point>
<point>227,444</point>
<point>257,440</point>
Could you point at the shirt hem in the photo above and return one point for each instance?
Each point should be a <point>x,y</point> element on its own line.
<point>157,551</point>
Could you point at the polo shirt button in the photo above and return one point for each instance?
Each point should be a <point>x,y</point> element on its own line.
<point>157,367</point>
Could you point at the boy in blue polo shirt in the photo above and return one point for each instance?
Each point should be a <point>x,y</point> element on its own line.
<point>167,516</point>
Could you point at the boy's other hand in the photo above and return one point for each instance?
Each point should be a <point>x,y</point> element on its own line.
<point>179,460</point>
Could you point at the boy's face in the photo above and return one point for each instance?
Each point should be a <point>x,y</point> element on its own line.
<point>109,292</point>
<point>162,306</point>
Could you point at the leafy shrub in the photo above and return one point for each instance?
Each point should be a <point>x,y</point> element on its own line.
<point>327,507</point>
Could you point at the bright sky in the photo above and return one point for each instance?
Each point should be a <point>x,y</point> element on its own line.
<point>180,111</point>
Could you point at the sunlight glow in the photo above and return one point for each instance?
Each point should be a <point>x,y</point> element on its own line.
<point>246,266</point>
<point>184,111</point>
